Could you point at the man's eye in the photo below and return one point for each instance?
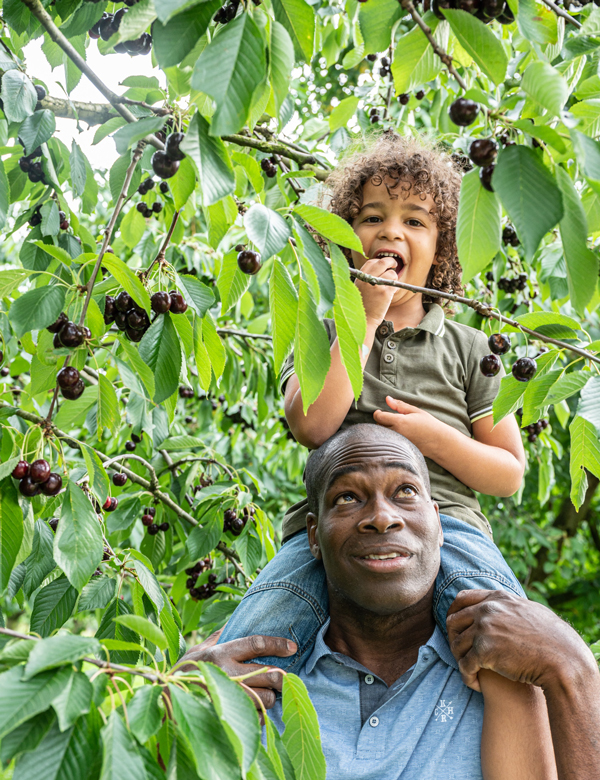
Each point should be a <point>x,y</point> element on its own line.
<point>345,498</point>
<point>406,491</point>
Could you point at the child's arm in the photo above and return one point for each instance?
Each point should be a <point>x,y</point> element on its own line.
<point>516,742</point>
<point>492,462</point>
<point>326,414</point>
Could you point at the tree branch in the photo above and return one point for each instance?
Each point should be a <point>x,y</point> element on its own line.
<point>91,113</point>
<point>560,12</point>
<point>243,334</point>
<point>443,55</point>
<point>161,254</point>
<point>40,13</point>
<point>304,159</point>
<point>480,308</point>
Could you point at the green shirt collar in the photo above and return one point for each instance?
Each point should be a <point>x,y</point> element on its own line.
<point>432,322</point>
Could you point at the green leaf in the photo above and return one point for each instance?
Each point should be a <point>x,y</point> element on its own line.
<point>59,650</point>
<point>40,561</point>
<point>213,754</point>
<point>96,594</point>
<point>22,699</point>
<point>168,8</point>
<point>197,294</point>
<point>117,174</point>
<point>78,546</point>
<point>536,22</point>
<point>183,183</point>
<point>301,736</point>
<point>232,282</point>
<point>589,402</point>
<point>308,248</point>
<point>98,479</point>
<point>37,129</point>
<point>281,62</point>
<point>543,133</point>
<point>545,84</point>
<point>132,227</point>
<point>342,114</point>
<point>11,279</point>
<point>37,308</point>
<point>74,700</point>
<point>201,356</point>
<point>130,134</point>
<point>18,96</point>
<point>376,20</point>
<point>414,61</point>
<point>518,179</point>
<point>149,582</point>
<point>57,252</point>
<point>173,41</point>
<point>238,714</point>
<point>121,759</point>
<point>509,398</point>
<point>588,154</point>
<point>480,42</point>
<point>298,18</point>
<point>229,70</point>
<point>535,394</point>
<point>11,529</point>
<point>78,169</point>
<point>108,406</point>
<point>283,302</point>
<point>478,229</point>
<point>330,226</point>
<point>4,202</point>
<point>312,357</point>
<point>582,263</point>
<point>137,19</point>
<point>144,714</point>
<point>542,321</point>
<point>567,385</point>
<point>26,737</point>
<point>127,279</point>
<point>585,454</point>
<point>75,410</point>
<point>109,630</point>
<point>53,606</point>
<point>210,157</point>
<point>160,350</point>
<point>350,320</point>
<point>267,229</point>
<point>145,628</point>
<point>214,345</point>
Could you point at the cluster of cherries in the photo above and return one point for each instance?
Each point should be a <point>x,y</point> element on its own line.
<point>517,283</point>
<point>533,430</point>
<point>248,260</point>
<point>109,26</point>
<point>509,236</point>
<point>166,163</point>
<point>227,12</point>
<point>485,10</point>
<point>148,521</point>
<point>143,189</point>
<point>68,334</point>
<point>132,443</point>
<point>523,369</point>
<point>235,524</point>
<point>36,218</point>
<point>186,392</point>
<point>37,478</point>
<point>203,591</point>
<point>269,166</point>
<point>127,315</point>
<point>483,152</point>
<point>70,383</point>
<point>29,163</point>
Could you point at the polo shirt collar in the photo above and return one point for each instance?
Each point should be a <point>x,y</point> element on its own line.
<point>433,321</point>
<point>437,642</point>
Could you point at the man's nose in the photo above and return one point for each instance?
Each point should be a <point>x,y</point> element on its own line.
<point>380,518</point>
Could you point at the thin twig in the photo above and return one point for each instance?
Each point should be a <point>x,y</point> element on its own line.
<point>161,254</point>
<point>560,12</point>
<point>480,308</point>
<point>441,53</point>
<point>109,229</point>
<point>40,13</point>
<point>177,464</point>
<point>244,334</point>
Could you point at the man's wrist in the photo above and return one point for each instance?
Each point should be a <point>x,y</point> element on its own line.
<point>571,675</point>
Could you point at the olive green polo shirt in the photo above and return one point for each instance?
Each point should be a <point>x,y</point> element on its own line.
<point>434,366</point>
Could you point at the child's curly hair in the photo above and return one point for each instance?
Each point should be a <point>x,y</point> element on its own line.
<point>414,166</point>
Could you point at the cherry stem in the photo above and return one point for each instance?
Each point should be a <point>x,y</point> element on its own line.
<point>161,255</point>
<point>109,230</point>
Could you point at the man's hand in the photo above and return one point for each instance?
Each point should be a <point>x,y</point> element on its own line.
<point>230,655</point>
<point>377,298</point>
<point>519,639</point>
<point>418,426</point>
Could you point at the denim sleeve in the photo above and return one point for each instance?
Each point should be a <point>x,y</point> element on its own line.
<point>469,561</point>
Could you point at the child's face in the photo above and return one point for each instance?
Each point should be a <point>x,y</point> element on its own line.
<point>402,227</point>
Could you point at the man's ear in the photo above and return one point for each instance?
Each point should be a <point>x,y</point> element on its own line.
<point>440,530</point>
<point>311,527</point>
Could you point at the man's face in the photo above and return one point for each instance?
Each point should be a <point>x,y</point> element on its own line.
<point>378,532</point>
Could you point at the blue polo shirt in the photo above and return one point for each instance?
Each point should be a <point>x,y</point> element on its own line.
<point>426,725</point>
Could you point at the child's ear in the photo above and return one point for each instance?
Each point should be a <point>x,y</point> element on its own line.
<point>311,527</point>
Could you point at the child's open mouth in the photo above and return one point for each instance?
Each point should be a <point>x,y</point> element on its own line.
<point>395,256</point>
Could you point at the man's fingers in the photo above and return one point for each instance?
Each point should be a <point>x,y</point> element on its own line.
<point>461,643</point>
<point>271,679</point>
<point>213,638</point>
<point>266,695</point>
<point>468,598</point>
<point>469,667</point>
<point>249,647</point>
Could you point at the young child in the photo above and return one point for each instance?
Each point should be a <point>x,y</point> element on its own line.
<point>421,378</point>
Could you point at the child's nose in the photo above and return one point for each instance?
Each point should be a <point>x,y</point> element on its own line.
<point>392,230</point>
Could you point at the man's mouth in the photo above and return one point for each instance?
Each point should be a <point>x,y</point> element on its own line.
<point>396,256</point>
<point>385,556</point>
<point>384,562</point>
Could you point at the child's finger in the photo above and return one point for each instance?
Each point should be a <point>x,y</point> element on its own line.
<point>380,266</point>
<point>400,406</point>
<point>387,419</point>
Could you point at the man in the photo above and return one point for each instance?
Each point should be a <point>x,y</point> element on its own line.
<point>387,690</point>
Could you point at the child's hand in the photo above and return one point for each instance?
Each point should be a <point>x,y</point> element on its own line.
<point>377,298</point>
<point>418,426</point>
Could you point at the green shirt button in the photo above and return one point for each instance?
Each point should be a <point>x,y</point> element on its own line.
<point>391,344</point>
<point>388,358</point>
<point>383,330</point>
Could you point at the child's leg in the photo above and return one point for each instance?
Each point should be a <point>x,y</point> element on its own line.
<point>470,560</point>
<point>288,598</point>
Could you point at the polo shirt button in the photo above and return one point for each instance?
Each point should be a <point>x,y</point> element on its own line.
<point>388,358</point>
<point>369,679</point>
<point>391,344</point>
<point>374,721</point>
<point>383,330</point>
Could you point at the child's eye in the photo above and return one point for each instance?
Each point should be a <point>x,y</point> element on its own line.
<point>406,491</point>
<point>345,498</point>
<point>415,222</point>
<point>376,219</point>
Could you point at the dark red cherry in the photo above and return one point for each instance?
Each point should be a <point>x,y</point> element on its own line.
<point>21,470</point>
<point>499,343</point>
<point>147,520</point>
<point>237,526</point>
<point>164,526</point>
<point>114,502</point>
<point>134,335</point>
<point>249,262</point>
<point>59,324</point>
<point>156,207</point>
<point>67,377</point>
<point>40,91</point>
<point>152,529</point>
<point>137,320</point>
<point>524,369</point>
<point>119,479</point>
<point>124,301</point>
<point>29,488</point>
<point>178,305</point>
<point>172,149</point>
<point>39,471</point>
<point>150,510</point>
<point>109,309</point>
<point>70,335</point>
<point>74,392</point>
<point>121,319</point>
<point>483,151</point>
<point>53,523</point>
<point>53,485</point>
<point>485,177</point>
<point>130,446</point>
<point>107,503</point>
<point>163,166</point>
<point>161,302</point>
<point>463,111</point>
<point>490,365</point>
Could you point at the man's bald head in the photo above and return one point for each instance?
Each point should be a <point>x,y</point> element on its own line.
<point>316,475</point>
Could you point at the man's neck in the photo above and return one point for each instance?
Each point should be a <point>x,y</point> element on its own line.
<point>387,645</point>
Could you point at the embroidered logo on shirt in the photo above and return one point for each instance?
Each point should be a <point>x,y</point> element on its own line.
<point>444,711</point>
